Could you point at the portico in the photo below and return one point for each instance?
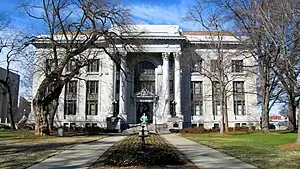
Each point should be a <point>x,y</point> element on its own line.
<point>146,87</point>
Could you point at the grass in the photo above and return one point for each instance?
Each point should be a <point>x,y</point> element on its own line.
<point>259,149</point>
<point>21,149</point>
<point>128,153</point>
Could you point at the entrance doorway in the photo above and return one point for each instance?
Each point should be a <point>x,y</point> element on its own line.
<point>144,107</point>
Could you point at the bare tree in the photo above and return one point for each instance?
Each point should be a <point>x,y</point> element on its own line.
<point>218,65</point>
<point>273,31</point>
<point>74,28</point>
<point>11,48</point>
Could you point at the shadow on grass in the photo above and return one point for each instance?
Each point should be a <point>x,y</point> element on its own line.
<point>23,155</point>
<point>262,157</point>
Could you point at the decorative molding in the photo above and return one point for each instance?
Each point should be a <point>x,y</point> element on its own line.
<point>144,93</point>
<point>165,55</point>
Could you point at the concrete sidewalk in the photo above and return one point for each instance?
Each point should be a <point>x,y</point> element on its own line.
<point>80,156</point>
<point>205,157</point>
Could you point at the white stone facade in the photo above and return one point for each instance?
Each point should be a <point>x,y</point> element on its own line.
<point>121,100</point>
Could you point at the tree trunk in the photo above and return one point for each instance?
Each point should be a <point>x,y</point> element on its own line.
<point>265,116</point>
<point>41,121</point>
<point>298,135</point>
<point>292,112</point>
<point>10,109</point>
<point>222,115</point>
<point>53,108</point>
<point>265,99</point>
<point>225,114</point>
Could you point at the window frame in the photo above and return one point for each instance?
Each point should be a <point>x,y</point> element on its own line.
<point>237,66</point>
<point>93,66</point>
<point>89,103</point>
<point>92,84</point>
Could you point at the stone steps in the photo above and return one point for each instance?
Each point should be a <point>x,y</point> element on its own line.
<point>160,128</point>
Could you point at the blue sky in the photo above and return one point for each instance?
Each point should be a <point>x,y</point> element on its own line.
<point>143,11</point>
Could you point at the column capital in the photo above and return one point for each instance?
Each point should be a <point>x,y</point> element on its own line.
<point>165,55</point>
<point>177,55</point>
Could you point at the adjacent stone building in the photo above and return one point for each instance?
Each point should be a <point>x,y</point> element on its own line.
<point>14,84</point>
<point>165,82</point>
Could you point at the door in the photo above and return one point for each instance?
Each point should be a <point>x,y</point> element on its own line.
<point>144,107</point>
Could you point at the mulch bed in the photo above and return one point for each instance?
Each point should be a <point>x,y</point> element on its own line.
<point>290,147</point>
<point>157,153</point>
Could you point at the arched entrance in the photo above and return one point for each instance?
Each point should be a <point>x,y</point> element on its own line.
<point>144,89</point>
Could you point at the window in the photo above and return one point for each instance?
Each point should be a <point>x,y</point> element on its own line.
<point>71,65</point>
<point>93,65</point>
<point>216,126</point>
<point>92,87</point>
<point>239,98</point>
<point>70,98</point>
<point>237,65</point>
<point>72,126</point>
<point>197,109</point>
<point>92,97</point>
<point>66,125</point>
<point>87,125</point>
<point>70,107</point>
<point>213,65</point>
<point>92,107</point>
<point>237,124</point>
<point>216,89</point>
<point>197,98</point>
<point>71,87</point>
<point>239,107</point>
<point>197,87</point>
<point>196,66</point>
<point>244,124</point>
<point>144,77</point>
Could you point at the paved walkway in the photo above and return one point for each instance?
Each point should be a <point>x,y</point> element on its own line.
<point>80,156</point>
<point>205,157</point>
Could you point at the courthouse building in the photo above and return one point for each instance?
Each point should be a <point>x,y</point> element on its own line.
<point>165,81</point>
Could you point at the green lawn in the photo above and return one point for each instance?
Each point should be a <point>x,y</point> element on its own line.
<point>259,149</point>
<point>21,149</point>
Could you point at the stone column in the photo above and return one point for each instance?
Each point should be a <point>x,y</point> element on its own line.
<point>177,84</point>
<point>166,85</point>
<point>123,85</point>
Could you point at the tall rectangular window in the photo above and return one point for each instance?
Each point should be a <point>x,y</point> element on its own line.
<point>70,98</point>
<point>92,107</point>
<point>71,65</point>
<point>93,65</point>
<point>239,98</point>
<point>71,87</point>
<point>197,98</point>
<point>92,88</point>
<point>237,65</point>
<point>216,91</point>
<point>213,65</point>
